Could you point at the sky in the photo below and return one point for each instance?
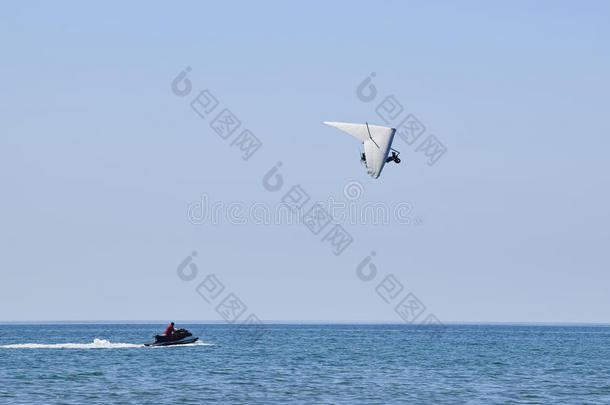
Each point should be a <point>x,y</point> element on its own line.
<point>109,175</point>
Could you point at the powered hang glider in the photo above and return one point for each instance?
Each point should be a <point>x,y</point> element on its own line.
<point>377,142</point>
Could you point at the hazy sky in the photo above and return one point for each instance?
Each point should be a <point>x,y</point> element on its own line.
<point>101,162</point>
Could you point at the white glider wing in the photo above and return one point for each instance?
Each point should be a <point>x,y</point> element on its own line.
<point>377,141</point>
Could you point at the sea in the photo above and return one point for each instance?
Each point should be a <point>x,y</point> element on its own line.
<point>105,363</point>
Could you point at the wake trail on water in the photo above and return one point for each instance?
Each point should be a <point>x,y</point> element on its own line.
<point>96,344</point>
<point>197,343</point>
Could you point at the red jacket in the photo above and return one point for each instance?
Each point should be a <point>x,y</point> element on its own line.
<point>169,330</point>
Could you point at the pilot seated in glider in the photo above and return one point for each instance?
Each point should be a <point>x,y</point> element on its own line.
<point>377,141</point>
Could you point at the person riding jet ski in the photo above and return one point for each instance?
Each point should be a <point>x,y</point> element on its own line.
<point>173,337</point>
<point>169,331</point>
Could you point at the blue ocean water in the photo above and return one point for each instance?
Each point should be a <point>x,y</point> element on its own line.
<point>313,364</point>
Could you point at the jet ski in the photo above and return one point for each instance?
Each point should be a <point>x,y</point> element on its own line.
<point>179,337</point>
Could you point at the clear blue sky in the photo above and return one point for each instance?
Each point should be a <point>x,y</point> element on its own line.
<point>99,159</point>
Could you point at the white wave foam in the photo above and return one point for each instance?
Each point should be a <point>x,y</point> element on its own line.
<point>97,344</point>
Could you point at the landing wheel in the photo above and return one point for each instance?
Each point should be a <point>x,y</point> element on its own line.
<point>397,160</point>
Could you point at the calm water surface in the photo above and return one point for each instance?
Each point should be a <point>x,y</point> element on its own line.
<point>314,364</point>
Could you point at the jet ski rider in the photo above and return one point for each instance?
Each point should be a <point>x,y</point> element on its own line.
<point>170,330</point>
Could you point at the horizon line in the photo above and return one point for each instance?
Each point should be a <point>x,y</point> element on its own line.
<point>297,322</point>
